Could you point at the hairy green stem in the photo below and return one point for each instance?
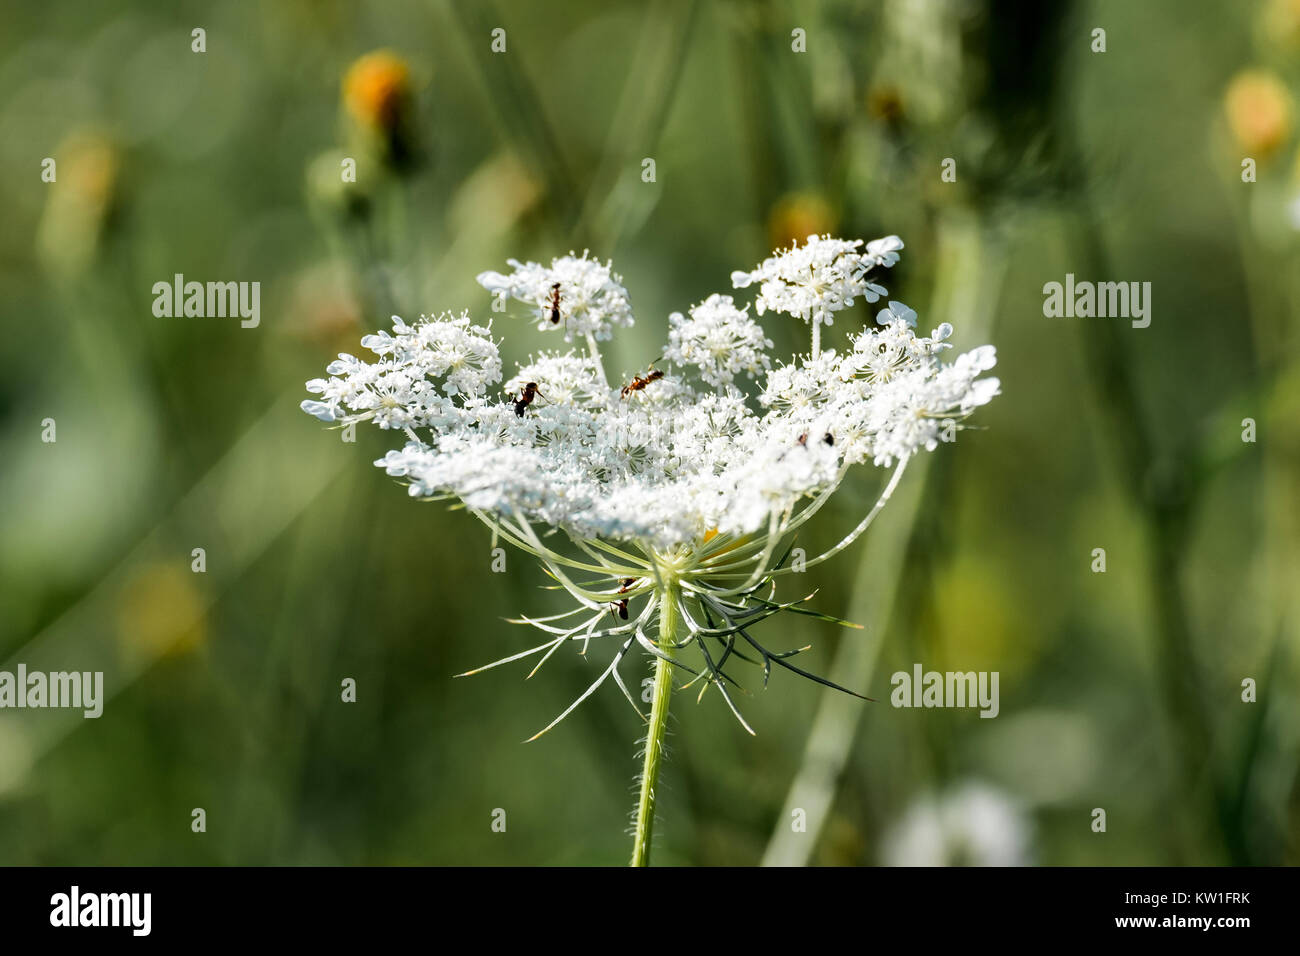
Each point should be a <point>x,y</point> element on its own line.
<point>657,731</point>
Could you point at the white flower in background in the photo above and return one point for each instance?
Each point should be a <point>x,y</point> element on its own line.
<point>676,496</point>
<point>719,339</point>
<point>592,300</point>
<point>974,825</point>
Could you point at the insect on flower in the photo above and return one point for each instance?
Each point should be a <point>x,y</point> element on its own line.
<point>619,608</point>
<point>641,381</point>
<point>553,311</point>
<point>828,438</point>
<point>526,397</point>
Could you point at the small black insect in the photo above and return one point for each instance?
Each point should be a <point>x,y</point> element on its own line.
<point>526,398</point>
<point>553,313</point>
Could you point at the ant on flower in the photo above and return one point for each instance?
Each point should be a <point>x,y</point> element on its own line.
<point>619,608</point>
<point>553,311</point>
<point>640,382</point>
<point>525,398</point>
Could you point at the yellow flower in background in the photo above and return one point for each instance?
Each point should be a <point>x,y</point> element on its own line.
<point>377,89</point>
<point>796,216</point>
<point>1259,111</point>
<point>378,97</point>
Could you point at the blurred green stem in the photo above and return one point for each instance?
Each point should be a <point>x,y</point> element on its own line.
<point>657,731</point>
<point>1163,491</point>
<point>1269,305</point>
<point>361,247</point>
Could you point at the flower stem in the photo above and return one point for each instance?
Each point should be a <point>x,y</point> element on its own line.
<point>594,351</point>
<point>816,338</point>
<point>655,734</point>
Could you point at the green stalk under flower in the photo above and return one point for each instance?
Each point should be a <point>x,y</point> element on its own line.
<point>657,731</point>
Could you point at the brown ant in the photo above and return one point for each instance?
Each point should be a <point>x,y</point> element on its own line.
<point>526,398</point>
<point>619,608</point>
<point>640,382</point>
<point>553,313</point>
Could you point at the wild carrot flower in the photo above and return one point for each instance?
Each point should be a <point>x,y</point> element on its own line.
<point>664,503</point>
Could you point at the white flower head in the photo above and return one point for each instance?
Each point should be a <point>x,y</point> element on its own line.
<point>719,340</point>
<point>426,372</point>
<point>805,385</point>
<point>575,296</point>
<point>881,354</point>
<point>819,278</point>
<point>571,379</point>
<point>657,443</point>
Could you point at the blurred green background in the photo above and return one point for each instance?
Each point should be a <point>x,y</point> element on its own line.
<point>1119,691</point>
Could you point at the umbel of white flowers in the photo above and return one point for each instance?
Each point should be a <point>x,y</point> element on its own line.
<point>675,493</point>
